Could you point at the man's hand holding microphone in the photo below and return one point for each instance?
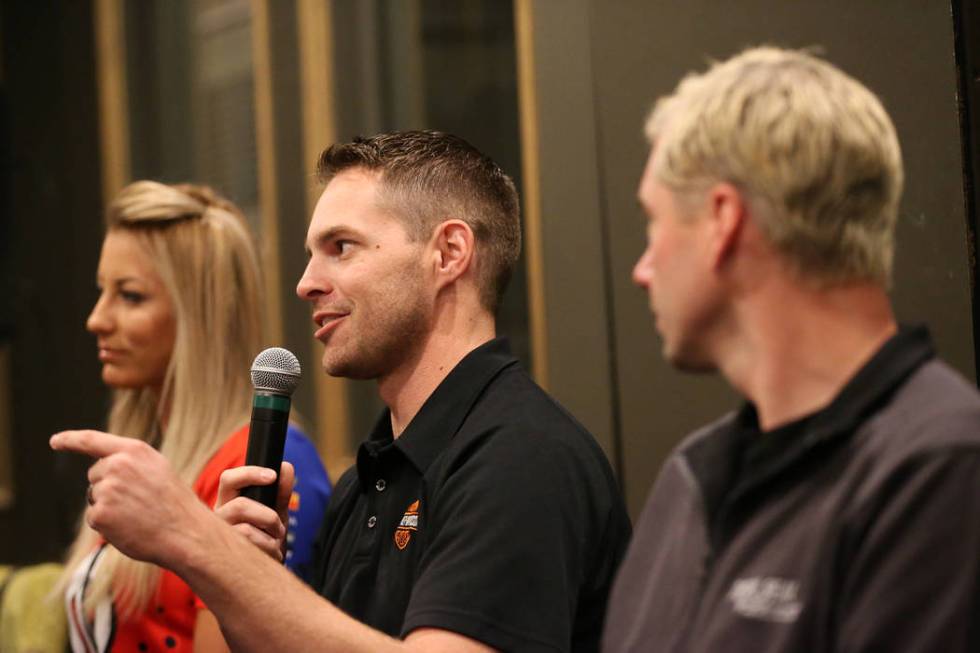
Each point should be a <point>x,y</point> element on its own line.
<point>138,503</point>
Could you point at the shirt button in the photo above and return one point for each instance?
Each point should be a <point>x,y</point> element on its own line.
<point>380,485</point>
<point>372,520</point>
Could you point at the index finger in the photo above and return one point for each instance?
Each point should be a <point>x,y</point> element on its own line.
<point>287,483</point>
<point>93,443</point>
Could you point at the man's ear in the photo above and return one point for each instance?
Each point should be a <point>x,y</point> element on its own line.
<point>453,245</point>
<point>728,213</point>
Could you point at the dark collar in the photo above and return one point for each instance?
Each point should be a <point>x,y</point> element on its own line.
<point>716,460</point>
<point>901,355</point>
<point>440,417</point>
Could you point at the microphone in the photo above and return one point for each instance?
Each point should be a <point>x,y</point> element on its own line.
<point>275,374</point>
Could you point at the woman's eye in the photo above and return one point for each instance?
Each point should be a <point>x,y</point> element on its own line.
<point>132,297</point>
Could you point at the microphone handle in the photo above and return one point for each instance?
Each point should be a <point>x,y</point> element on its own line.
<point>266,441</point>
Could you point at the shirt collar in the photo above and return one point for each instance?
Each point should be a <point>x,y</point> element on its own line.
<point>440,417</point>
<point>901,354</point>
<point>715,460</point>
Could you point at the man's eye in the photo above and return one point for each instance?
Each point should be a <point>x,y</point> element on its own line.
<point>343,246</point>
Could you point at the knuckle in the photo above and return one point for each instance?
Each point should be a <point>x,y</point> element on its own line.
<point>231,512</point>
<point>108,487</point>
<point>271,523</point>
<point>94,518</point>
<point>243,505</point>
<point>117,464</point>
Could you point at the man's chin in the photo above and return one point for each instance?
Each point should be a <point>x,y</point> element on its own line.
<point>333,365</point>
<point>336,369</point>
<point>695,367</point>
<point>346,368</point>
<point>687,360</point>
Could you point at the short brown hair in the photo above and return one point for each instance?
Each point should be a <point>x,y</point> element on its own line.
<point>429,176</point>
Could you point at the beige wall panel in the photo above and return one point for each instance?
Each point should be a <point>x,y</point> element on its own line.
<point>530,122</point>
<point>113,114</point>
<point>314,18</point>
<point>572,258</point>
<point>265,141</point>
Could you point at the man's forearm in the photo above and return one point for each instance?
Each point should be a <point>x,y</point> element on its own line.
<point>260,605</point>
<point>147,513</point>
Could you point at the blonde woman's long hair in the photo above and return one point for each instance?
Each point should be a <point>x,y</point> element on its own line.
<point>205,255</point>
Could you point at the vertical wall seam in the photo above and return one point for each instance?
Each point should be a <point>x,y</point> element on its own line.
<point>315,21</point>
<point>531,171</point>
<point>607,272</point>
<point>265,141</point>
<point>110,52</point>
<point>964,58</point>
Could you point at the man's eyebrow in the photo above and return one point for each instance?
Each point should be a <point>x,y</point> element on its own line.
<point>325,237</point>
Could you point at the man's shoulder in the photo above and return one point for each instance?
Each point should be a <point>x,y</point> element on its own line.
<point>935,409</point>
<point>515,424</point>
<point>930,422</point>
<point>513,410</point>
<point>703,433</point>
<point>676,488</point>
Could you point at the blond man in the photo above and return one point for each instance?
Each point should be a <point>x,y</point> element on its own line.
<point>839,509</point>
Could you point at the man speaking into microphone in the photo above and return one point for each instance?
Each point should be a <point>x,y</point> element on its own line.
<point>479,515</point>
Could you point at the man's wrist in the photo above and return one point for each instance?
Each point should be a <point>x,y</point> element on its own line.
<point>195,543</point>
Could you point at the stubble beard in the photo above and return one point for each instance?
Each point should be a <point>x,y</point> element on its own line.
<point>383,334</point>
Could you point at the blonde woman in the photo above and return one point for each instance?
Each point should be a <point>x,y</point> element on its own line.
<point>177,325</point>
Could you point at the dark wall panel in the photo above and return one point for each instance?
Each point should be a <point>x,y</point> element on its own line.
<point>53,205</point>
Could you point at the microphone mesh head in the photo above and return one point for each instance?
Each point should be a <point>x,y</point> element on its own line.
<point>276,370</point>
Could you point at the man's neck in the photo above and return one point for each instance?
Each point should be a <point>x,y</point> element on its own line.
<point>407,388</point>
<point>796,348</point>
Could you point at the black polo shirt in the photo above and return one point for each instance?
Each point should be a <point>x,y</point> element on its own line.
<point>494,515</point>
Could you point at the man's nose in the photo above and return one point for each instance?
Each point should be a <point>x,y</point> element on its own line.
<point>641,271</point>
<point>312,284</point>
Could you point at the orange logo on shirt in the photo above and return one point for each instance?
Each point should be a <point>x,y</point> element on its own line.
<point>294,501</point>
<point>409,523</point>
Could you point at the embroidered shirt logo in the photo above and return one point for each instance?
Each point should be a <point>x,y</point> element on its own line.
<point>409,524</point>
<point>766,598</point>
